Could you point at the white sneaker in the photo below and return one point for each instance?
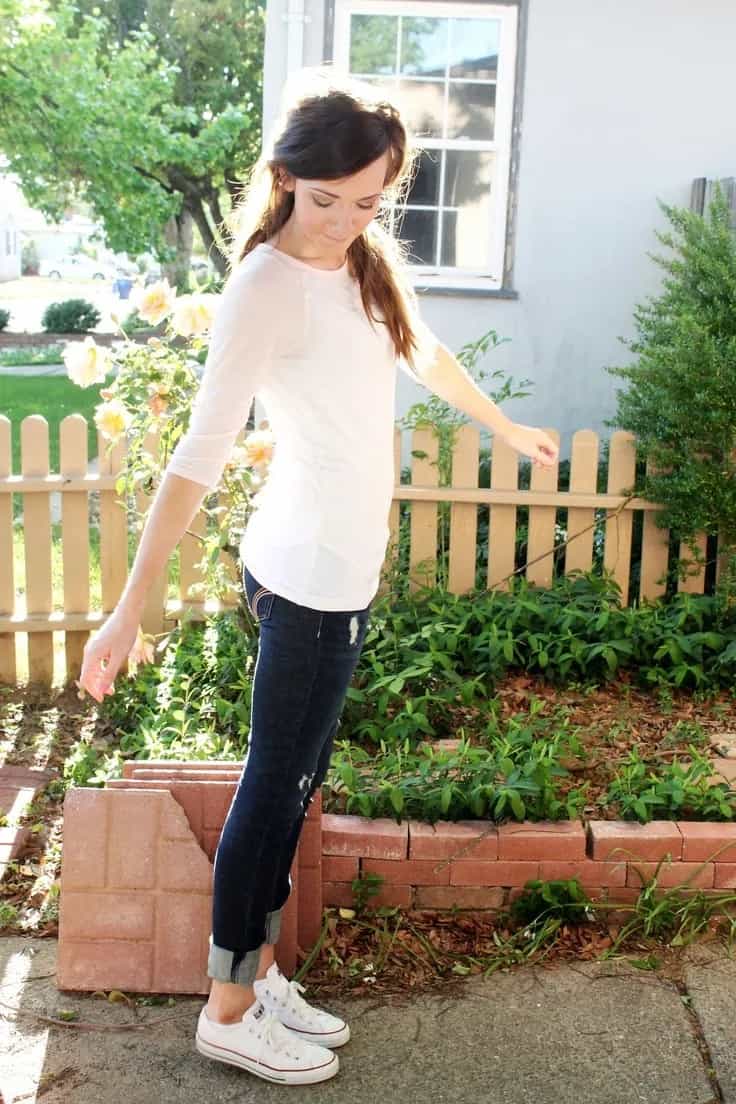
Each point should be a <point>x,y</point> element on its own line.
<point>260,1044</point>
<point>283,998</point>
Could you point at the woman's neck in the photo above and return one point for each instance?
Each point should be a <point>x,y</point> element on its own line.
<point>288,241</point>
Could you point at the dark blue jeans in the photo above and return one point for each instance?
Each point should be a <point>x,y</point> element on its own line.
<point>305,664</point>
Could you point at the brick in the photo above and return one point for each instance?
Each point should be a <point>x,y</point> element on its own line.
<point>174,824</point>
<point>309,921</point>
<point>628,840</point>
<point>132,834</point>
<point>587,871</point>
<point>173,766</point>
<point>340,868</point>
<point>337,893</point>
<point>210,842</point>
<point>725,875</point>
<point>474,872</point>
<point>445,838</point>
<point>188,795</point>
<point>408,871</point>
<point>375,838</point>
<point>183,866</point>
<point>393,896</point>
<point>118,916</point>
<point>702,839</point>
<point>110,964</point>
<point>672,874</point>
<point>310,841</point>
<point>464,897</point>
<point>84,854</point>
<point>537,840</point>
<point>285,951</point>
<point>220,778</point>
<point>182,943</point>
<point>217,798</point>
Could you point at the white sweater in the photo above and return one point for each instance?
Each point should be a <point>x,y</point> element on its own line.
<point>299,338</point>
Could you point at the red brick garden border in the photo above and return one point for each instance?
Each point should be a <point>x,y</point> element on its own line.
<point>136,878</point>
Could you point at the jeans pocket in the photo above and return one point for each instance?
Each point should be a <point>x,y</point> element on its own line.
<point>259,599</point>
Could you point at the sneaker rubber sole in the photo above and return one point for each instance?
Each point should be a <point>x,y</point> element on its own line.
<point>310,1075</point>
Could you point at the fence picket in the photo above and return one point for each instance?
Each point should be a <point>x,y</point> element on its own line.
<point>542,524</point>
<point>7,582</point>
<point>695,583</point>
<point>464,515</point>
<point>502,525</point>
<point>113,527</point>
<point>74,535</point>
<point>583,477</point>
<point>34,444</point>
<point>423,541</point>
<point>654,553</point>
<point>618,528</point>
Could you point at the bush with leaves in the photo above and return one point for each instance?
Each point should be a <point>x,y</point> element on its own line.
<point>4,319</point>
<point>680,401</point>
<point>70,316</point>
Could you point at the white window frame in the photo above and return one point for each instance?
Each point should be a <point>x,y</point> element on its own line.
<point>426,276</point>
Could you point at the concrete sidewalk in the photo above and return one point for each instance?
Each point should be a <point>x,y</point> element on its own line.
<point>602,1033</point>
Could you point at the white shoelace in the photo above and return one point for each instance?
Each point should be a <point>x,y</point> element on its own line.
<point>299,1005</point>
<point>275,1034</point>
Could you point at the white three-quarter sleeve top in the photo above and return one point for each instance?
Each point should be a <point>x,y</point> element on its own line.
<point>298,337</point>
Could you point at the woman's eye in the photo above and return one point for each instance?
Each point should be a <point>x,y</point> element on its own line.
<point>363,206</point>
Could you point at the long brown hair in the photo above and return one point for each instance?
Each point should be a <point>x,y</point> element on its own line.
<point>331,126</point>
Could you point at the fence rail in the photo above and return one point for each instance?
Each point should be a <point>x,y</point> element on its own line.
<point>45,583</point>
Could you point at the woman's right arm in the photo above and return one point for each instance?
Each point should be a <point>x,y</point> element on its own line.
<point>174,506</point>
<point>247,327</point>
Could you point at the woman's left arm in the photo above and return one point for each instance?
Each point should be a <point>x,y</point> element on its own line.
<point>446,377</point>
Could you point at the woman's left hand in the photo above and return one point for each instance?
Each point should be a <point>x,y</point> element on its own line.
<point>532,442</point>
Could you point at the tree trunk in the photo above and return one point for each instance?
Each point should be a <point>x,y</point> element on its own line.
<point>178,232</point>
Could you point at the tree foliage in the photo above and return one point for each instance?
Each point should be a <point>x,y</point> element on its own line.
<point>149,112</point>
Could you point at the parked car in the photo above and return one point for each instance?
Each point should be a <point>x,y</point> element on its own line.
<point>77,267</point>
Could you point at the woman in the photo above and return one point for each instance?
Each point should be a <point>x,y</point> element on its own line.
<point>315,315</point>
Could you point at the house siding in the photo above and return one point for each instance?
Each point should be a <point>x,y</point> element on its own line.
<point>617,106</point>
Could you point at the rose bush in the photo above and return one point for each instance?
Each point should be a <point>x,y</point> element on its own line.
<point>147,406</point>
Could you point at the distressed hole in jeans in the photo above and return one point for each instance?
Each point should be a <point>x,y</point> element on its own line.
<point>354,626</point>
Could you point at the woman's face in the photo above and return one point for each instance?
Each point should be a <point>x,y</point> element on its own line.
<point>331,214</point>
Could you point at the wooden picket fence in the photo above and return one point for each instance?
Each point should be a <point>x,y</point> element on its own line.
<point>31,615</point>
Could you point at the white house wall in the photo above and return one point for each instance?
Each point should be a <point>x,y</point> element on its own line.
<point>622,104</point>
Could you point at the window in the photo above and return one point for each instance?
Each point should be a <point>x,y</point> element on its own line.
<point>450,68</point>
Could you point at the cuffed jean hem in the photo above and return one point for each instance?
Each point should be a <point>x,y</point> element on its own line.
<point>240,968</point>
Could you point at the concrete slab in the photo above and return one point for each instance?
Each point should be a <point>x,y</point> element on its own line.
<point>604,1033</point>
<point>710,977</point>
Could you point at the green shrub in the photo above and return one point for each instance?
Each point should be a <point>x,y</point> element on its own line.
<point>4,319</point>
<point>70,316</point>
<point>680,401</point>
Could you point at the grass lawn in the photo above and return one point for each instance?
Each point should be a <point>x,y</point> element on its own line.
<point>52,396</point>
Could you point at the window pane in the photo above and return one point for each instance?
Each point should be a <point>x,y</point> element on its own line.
<point>419,228</point>
<point>425,189</point>
<point>465,233</point>
<point>422,105</point>
<point>471,111</point>
<point>474,48</point>
<point>423,46</point>
<point>373,43</point>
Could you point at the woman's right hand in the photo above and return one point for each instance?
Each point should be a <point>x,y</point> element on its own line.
<point>105,653</point>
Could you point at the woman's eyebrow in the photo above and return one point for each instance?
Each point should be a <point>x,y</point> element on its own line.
<point>333,196</point>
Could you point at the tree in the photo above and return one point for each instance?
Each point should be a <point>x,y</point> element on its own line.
<point>153,124</point>
<point>681,397</point>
